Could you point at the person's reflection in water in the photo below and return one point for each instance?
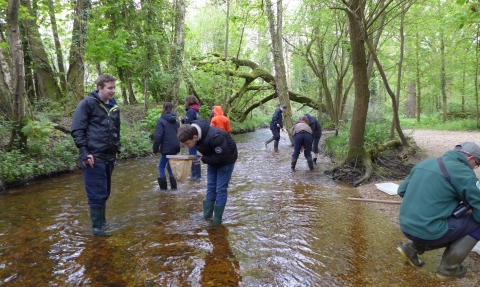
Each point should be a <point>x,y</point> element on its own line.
<point>100,270</point>
<point>221,266</point>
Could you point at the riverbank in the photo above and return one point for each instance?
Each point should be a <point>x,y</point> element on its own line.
<point>432,143</point>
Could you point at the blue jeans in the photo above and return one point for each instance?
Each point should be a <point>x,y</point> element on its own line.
<point>217,183</point>
<point>305,140</point>
<point>98,182</point>
<point>162,164</point>
<point>196,168</point>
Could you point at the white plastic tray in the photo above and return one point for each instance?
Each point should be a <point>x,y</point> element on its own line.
<point>388,187</point>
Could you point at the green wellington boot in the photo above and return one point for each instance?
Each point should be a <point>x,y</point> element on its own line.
<point>208,209</point>
<point>96,215</point>
<point>410,251</point>
<point>217,215</point>
<point>294,162</point>
<point>310,163</point>
<point>453,256</point>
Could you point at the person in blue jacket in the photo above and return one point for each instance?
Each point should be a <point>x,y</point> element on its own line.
<point>219,151</point>
<point>275,125</point>
<point>431,192</point>
<point>96,133</point>
<point>193,113</point>
<point>165,137</point>
<point>317,134</point>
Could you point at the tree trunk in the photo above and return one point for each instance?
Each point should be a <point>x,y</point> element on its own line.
<point>131,95</point>
<point>45,79</point>
<point>417,65</point>
<point>411,100</point>
<point>443,77</point>
<point>58,46</point>
<point>6,80</point>
<point>356,148</point>
<point>76,69</point>
<point>177,51</point>
<point>123,84</point>
<point>18,139</point>
<point>277,50</point>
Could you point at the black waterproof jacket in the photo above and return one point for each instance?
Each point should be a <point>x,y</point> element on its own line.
<point>277,119</point>
<point>165,135</point>
<point>96,128</point>
<point>315,126</point>
<point>216,145</point>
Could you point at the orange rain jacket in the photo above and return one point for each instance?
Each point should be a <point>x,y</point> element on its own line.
<point>219,120</point>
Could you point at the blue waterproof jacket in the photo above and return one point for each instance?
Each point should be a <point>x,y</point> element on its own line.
<point>315,126</point>
<point>165,135</point>
<point>96,128</point>
<point>277,119</point>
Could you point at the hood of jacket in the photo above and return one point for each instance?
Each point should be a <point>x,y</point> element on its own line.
<point>194,106</point>
<point>111,103</point>
<point>217,111</point>
<point>169,117</point>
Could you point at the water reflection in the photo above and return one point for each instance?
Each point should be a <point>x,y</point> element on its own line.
<point>281,228</point>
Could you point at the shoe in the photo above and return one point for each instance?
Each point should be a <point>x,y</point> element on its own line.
<point>217,215</point>
<point>96,215</point>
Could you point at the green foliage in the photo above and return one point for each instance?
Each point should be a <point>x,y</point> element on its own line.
<point>57,157</point>
<point>375,132</point>
<point>435,122</point>
<point>135,141</point>
<point>39,129</point>
<point>151,119</point>
<point>205,112</point>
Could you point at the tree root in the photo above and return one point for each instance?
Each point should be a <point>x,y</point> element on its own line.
<point>385,161</point>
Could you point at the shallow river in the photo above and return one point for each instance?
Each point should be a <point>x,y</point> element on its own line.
<point>280,228</point>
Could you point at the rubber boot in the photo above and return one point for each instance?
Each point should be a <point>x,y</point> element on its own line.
<point>217,215</point>
<point>294,162</point>
<point>104,220</point>
<point>162,182</point>
<point>453,256</point>
<point>173,183</point>
<point>208,209</point>
<point>275,145</point>
<point>410,250</point>
<point>197,172</point>
<point>310,163</point>
<point>96,215</point>
<point>265,143</point>
<point>314,160</point>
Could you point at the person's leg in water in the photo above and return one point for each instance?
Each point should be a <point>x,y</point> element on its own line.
<point>162,179</point>
<point>315,149</point>
<point>196,168</point>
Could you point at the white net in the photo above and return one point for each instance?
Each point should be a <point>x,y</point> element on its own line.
<point>180,168</point>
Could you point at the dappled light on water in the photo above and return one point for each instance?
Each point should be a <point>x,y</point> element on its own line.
<point>280,228</point>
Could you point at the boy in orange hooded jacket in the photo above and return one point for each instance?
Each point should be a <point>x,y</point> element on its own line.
<point>219,120</point>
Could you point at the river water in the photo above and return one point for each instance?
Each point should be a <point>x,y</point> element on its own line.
<point>280,228</point>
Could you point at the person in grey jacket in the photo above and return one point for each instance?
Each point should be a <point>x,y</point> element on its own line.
<point>165,137</point>
<point>96,133</point>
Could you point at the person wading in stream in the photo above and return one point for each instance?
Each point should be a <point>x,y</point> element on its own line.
<point>219,151</point>
<point>96,133</point>
<point>275,125</point>
<point>431,193</point>
<point>317,134</point>
<point>193,108</point>
<point>219,120</point>
<point>302,139</point>
<point>165,137</point>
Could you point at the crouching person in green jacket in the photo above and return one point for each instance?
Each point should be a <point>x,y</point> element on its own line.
<point>431,194</point>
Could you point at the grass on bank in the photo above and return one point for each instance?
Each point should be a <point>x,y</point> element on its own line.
<point>378,130</point>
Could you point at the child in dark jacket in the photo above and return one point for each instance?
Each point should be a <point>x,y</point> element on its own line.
<point>165,137</point>
<point>193,108</point>
<point>219,151</point>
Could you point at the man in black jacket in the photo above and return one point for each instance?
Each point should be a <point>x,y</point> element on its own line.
<point>275,125</point>
<point>96,133</point>
<point>219,151</point>
<point>317,134</point>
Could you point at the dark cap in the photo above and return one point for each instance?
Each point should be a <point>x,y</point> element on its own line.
<point>284,107</point>
<point>469,148</point>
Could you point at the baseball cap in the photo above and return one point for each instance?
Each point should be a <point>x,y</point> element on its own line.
<point>469,148</point>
